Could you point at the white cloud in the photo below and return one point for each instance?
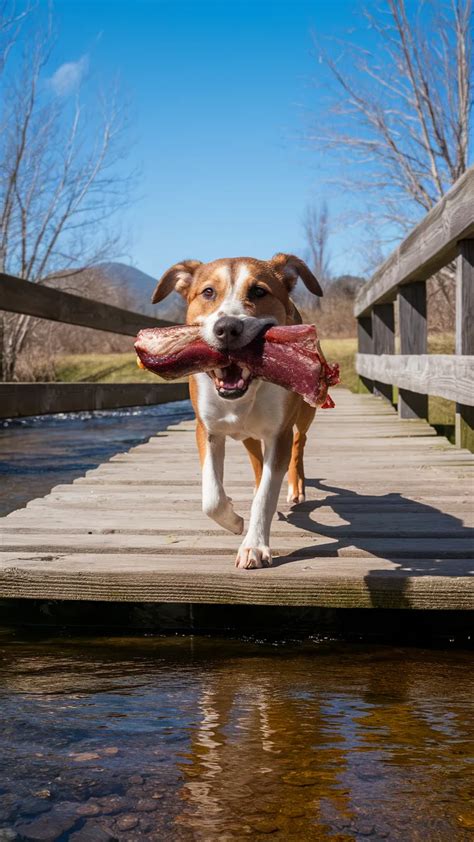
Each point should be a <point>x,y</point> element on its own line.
<point>69,76</point>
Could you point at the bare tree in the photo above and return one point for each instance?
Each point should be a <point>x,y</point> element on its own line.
<point>401,111</point>
<point>11,21</point>
<point>60,182</point>
<point>316,229</point>
<point>316,233</point>
<point>400,117</point>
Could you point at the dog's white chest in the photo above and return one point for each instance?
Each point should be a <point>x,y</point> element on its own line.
<point>259,414</point>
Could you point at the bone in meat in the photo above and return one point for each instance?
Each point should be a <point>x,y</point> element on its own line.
<point>177,351</point>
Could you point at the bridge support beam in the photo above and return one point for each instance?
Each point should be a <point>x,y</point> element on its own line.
<point>365,346</point>
<point>465,334</point>
<point>413,340</point>
<point>383,332</point>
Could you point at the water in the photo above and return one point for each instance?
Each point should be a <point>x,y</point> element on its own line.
<point>184,738</point>
<point>38,453</point>
<point>209,739</point>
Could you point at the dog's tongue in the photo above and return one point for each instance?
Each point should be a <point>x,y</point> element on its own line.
<point>232,377</point>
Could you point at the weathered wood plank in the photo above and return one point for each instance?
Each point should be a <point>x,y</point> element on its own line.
<point>22,399</point>
<point>465,336</point>
<point>365,345</point>
<point>383,329</point>
<point>413,340</point>
<point>359,525</point>
<point>429,247</point>
<point>364,335</point>
<point>20,296</point>
<point>295,544</point>
<point>465,299</point>
<point>332,583</point>
<point>445,375</point>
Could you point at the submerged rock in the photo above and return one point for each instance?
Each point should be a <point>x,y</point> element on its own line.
<point>46,828</point>
<point>126,822</point>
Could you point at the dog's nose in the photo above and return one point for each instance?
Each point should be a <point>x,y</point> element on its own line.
<point>227,329</point>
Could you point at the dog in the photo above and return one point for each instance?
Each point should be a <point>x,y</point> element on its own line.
<point>232,300</point>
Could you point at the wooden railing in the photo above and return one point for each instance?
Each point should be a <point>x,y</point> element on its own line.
<point>444,235</point>
<point>19,399</point>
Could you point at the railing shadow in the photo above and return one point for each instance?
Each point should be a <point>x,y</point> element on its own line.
<point>445,561</point>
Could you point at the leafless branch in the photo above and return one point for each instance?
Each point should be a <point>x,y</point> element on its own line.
<point>400,112</point>
<point>61,177</point>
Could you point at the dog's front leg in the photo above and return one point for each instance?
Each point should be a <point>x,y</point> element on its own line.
<point>255,548</point>
<point>215,502</point>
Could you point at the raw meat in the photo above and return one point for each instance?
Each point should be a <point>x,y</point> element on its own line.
<point>289,356</point>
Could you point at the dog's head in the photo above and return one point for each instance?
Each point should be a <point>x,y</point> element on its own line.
<point>233,299</point>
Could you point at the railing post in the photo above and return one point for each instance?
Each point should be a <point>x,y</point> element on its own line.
<point>365,346</point>
<point>413,340</point>
<point>465,334</point>
<point>383,332</point>
<point>2,346</point>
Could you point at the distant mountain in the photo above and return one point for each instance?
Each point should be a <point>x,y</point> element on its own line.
<point>141,287</point>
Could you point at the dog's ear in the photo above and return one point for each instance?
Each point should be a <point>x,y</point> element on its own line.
<point>290,268</point>
<point>178,277</point>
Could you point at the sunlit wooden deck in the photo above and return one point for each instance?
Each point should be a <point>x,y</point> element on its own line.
<point>386,524</point>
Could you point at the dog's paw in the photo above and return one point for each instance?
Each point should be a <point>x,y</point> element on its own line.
<point>250,558</point>
<point>295,496</point>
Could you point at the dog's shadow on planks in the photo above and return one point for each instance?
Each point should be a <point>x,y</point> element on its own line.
<point>419,539</point>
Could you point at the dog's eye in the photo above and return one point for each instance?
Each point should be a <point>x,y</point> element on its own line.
<point>209,293</point>
<point>257,292</point>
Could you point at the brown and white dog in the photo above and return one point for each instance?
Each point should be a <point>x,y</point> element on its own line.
<point>232,300</point>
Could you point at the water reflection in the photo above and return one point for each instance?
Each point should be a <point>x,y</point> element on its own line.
<point>196,739</point>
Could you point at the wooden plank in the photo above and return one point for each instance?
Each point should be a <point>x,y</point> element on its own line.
<point>464,426</point>
<point>465,299</point>
<point>429,247</point>
<point>448,376</point>
<point>368,505</point>
<point>22,399</point>
<point>413,340</point>
<point>383,328</point>
<point>347,508</point>
<point>365,344</point>
<point>20,296</point>
<point>296,545</point>
<point>359,525</point>
<point>364,335</point>
<point>333,583</point>
<point>323,461</point>
<point>465,336</point>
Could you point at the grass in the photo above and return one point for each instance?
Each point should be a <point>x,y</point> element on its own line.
<point>102,368</point>
<point>122,368</point>
<point>343,351</point>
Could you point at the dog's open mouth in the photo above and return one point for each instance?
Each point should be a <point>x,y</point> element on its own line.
<point>232,381</point>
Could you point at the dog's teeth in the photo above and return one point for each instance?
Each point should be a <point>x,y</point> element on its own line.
<point>221,384</point>
<point>241,384</point>
<point>245,373</point>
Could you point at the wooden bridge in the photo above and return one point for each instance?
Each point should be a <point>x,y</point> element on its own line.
<point>388,516</point>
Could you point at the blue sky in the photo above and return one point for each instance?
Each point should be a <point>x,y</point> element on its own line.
<point>220,93</point>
